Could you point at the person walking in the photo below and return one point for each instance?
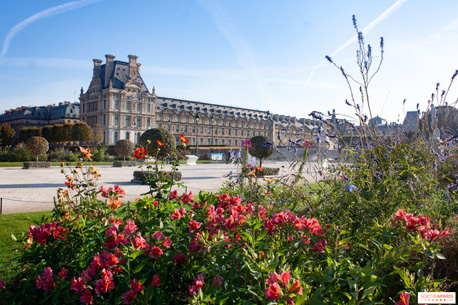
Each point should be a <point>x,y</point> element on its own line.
<point>228,156</point>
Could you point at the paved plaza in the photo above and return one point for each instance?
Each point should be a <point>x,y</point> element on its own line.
<point>27,190</point>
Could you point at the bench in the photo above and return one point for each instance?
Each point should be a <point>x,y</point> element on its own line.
<point>191,159</point>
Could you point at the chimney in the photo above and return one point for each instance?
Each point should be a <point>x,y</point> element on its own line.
<point>132,60</point>
<point>97,62</point>
<point>109,58</point>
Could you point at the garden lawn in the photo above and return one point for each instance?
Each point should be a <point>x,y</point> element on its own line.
<point>9,249</point>
<point>20,164</point>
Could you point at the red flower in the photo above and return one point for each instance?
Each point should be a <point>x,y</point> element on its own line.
<point>273,292</point>
<point>78,285</point>
<point>404,299</point>
<point>320,246</point>
<point>179,258</point>
<point>158,235</point>
<point>128,297</point>
<point>140,153</point>
<point>86,152</point>
<point>63,273</point>
<point>160,143</point>
<point>86,297</point>
<point>167,242</point>
<point>130,227</point>
<point>173,195</point>
<point>136,286</point>
<point>183,139</point>
<point>2,284</point>
<point>193,226</point>
<point>176,215</point>
<point>156,251</point>
<point>156,280</point>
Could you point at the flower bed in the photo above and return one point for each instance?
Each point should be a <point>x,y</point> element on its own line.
<point>124,163</point>
<point>144,176</point>
<point>35,164</point>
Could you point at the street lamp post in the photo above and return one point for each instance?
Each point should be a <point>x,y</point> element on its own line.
<point>197,132</point>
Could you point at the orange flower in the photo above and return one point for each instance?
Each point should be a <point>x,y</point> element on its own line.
<point>140,153</point>
<point>160,143</point>
<point>258,168</point>
<point>114,203</point>
<point>183,139</point>
<point>86,152</point>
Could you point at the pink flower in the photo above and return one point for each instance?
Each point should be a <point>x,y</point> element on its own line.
<point>273,278</point>
<point>136,286</point>
<point>63,273</point>
<point>130,227</point>
<point>262,212</point>
<point>167,242</point>
<point>128,297</point>
<point>119,191</point>
<point>404,299</point>
<point>2,284</point>
<point>246,144</point>
<point>198,283</point>
<point>103,191</point>
<point>176,215</point>
<point>295,288</point>
<point>156,251</point>
<point>158,235</point>
<point>217,281</point>
<point>320,246</point>
<point>156,280</point>
<point>47,274</point>
<point>139,241</point>
<point>187,198</point>
<point>86,297</point>
<point>285,277</point>
<point>193,226</point>
<point>307,144</point>
<point>179,258</point>
<point>273,292</point>
<point>173,195</point>
<point>78,285</point>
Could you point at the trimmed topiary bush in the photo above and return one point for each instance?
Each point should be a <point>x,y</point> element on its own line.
<point>260,148</point>
<point>143,175</point>
<point>36,164</point>
<point>124,148</point>
<point>37,146</point>
<point>154,135</point>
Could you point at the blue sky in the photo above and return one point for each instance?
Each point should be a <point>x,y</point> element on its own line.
<point>266,55</point>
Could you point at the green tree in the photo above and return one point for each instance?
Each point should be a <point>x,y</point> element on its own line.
<point>124,148</point>
<point>158,134</point>
<point>82,132</point>
<point>7,134</point>
<point>46,132</point>
<point>37,146</point>
<point>260,148</point>
<point>67,132</point>
<point>33,132</point>
<point>97,135</point>
<point>58,133</point>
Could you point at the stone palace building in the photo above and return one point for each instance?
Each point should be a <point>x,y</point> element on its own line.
<point>119,100</point>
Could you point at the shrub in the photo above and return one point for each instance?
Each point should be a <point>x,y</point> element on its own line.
<point>261,147</point>
<point>37,146</point>
<point>71,157</point>
<point>145,176</point>
<point>99,153</point>
<point>154,135</point>
<point>124,148</point>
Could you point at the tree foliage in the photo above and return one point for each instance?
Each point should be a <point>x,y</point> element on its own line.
<point>67,132</point>
<point>37,146</point>
<point>82,132</point>
<point>260,148</point>
<point>97,135</point>
<point>124,148</point>
<point>7,134</point>
<point>46,132</point>
<point>158,134</point>
<point>58,133</point>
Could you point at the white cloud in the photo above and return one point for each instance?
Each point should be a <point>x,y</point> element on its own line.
<point>55,10</point>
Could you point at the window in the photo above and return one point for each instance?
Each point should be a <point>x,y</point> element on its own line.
<point>201,129</point>
<point>115,137</point>
<point>201,142</point>
<point>222,131</point>
<point>83,107</point>
<point>216,130</point>
<point>176,119</point>
<point>222,142</point>
<point>185,119</point>
<point>236,142</point>
<point>159,125</point>
<point>148,123</point>
<point>148,109</point>
<point>186,128</point>
<point>208,131</point>
<point>127,120</point>
<point>116,121</point>
<point>178,128</point>
<point>235,132</point>
<point>193,129</point>
<point>193,141</point>
<point>208,141</point>
<point>138,107</point>
<point>127,105</point>
<point>127,135</point>
<point>138,122</point>
<point>104,120</point>
<point>168,118</point>
<point>104,104</point>
<point>116,104</point>
<point>229,142</point>
<point>168,127</point>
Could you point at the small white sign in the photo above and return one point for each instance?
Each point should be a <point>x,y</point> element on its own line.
<point>437,298</point>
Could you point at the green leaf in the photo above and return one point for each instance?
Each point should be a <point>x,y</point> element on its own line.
<point>262,235</point>
<point>135,254</point>
<point>246,237</point>
<point>140,266</point>
<point>13,237</point>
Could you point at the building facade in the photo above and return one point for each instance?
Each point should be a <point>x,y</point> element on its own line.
<point>39,116</point>
<point>119,101</point>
